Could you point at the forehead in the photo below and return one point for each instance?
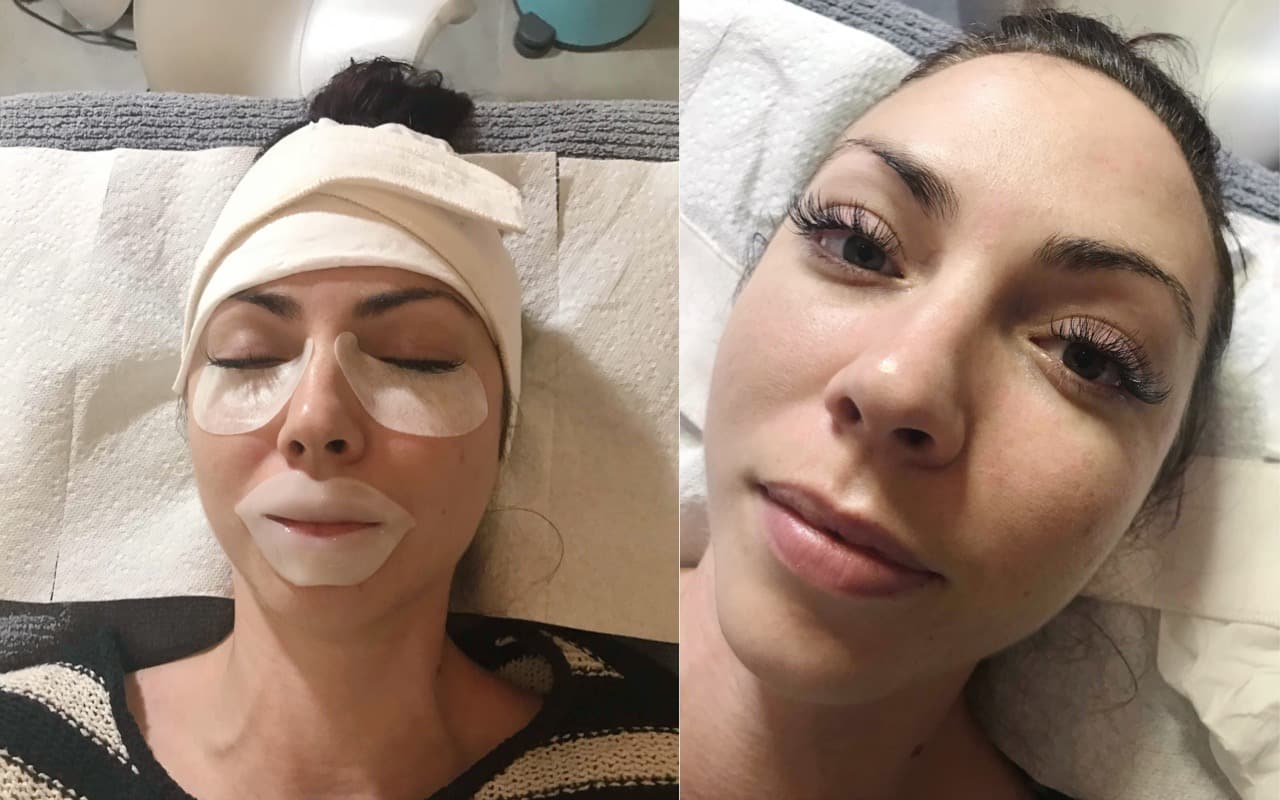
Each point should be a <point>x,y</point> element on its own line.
<point>1046,144</point>
<point>367,293</point>
<point>346,279</point>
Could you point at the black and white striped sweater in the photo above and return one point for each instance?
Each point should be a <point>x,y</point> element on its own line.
<point>607,728</point>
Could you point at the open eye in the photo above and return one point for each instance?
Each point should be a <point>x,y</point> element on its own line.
<point>1089,363</point>
<point>850,234</point>
<point>1106,360</point>
<point>856,248</point>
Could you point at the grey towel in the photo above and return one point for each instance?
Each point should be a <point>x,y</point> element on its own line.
<point>645,130</point>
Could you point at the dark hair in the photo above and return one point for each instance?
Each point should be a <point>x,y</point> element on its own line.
<point>380,91</point>
<point>383,90</point>
<point>1091,43</point>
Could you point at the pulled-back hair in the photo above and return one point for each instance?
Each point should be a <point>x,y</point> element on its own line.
<point>382,90</point>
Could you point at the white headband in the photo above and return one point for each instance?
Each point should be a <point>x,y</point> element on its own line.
<point>333,195</point>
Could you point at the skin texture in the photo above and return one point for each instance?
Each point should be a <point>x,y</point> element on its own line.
<point>338,691</point>
<point>935,401</point>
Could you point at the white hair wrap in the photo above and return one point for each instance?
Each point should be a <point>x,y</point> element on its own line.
<point>333,195</point>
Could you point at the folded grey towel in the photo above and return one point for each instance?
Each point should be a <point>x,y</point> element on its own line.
<point>644,130</point>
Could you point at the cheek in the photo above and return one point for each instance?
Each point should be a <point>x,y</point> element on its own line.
<point>226,468</point>
<point>449,481</point>
<point>1052,491</point>
<point>770,354</point>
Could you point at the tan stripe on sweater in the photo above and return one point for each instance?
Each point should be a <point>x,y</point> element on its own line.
<point>644,756</point>
<point>19,781</point>
<point>76,695</point>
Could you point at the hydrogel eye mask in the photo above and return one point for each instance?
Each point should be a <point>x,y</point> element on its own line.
<point>229,401</point>
<point>445,403</point>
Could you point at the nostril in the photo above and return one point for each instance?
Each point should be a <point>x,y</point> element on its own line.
<point>848,410</point>
<point>296,447</point>
<point>912,436</point>
<point>336,446</point>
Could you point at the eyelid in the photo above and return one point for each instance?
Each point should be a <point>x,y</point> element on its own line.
<point>425,365</point>
<point>855,225</point>
<point>245,362</point>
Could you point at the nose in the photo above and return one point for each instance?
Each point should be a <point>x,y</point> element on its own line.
<point>322,424</point>
<point>900,392</point>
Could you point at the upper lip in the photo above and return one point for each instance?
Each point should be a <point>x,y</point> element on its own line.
<point>853,528</point>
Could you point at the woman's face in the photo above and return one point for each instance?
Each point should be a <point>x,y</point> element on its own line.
<point>977,374</point>
<point>324,431</point>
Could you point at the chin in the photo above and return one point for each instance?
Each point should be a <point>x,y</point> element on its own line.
<point>810,663</point>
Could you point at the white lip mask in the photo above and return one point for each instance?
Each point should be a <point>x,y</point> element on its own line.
<point>443,403</point>
<point>303,560</point>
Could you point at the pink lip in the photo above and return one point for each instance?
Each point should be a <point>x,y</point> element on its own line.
<point>321,529</point>
<point>836,550</point>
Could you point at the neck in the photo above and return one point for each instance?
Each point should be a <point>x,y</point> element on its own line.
<point>744,740</point>
<point>394,707</point>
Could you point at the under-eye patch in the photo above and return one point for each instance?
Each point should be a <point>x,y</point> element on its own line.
<point>438,399</point>
<point>229,400</point>
<point>448,400</point>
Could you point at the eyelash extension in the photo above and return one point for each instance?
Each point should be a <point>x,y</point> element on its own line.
<point>1137,376</point>
<point>433,367</point>
<point>258,362</point>
<point>251,362</point>
<point>811,215</point>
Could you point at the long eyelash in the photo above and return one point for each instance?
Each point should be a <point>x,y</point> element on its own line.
<point>811,215</point>
<point>250,362</point>
<point>1137,376</point>
<point>428,366</point>
<point>433,366</point>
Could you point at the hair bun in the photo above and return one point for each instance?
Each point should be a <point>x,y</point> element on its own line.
<point>384,90</point>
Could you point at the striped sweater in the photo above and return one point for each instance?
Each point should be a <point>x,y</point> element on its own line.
<point>607,728</point>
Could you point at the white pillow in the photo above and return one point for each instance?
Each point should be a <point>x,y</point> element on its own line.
<point>765,88</point>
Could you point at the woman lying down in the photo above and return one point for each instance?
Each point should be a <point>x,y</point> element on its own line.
<point>350,373</point>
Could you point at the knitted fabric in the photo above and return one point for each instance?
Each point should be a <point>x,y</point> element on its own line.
<point>607,728</point>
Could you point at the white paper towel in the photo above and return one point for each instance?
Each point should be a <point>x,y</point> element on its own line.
<point>765,88</point>
<point>99,501</point>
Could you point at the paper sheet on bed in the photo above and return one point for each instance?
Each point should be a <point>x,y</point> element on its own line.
<point>99,501</point>
<point>765,88</point>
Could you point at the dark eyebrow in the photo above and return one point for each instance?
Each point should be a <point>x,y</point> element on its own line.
<point>284,306</point>
<point>935,194</point>
<point>278,304</point>
<point>1084,253</point>
<point>937,197</point>
<point>384,302</point>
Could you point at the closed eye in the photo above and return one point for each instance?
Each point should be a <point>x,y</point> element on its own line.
<point>254,362</point>
<point>428,365</point>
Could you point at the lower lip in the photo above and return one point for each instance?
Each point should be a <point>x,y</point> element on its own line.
<point>322,530</point>
<point>827,563</point>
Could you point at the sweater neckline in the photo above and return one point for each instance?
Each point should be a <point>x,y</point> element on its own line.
<point>556,703</point>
